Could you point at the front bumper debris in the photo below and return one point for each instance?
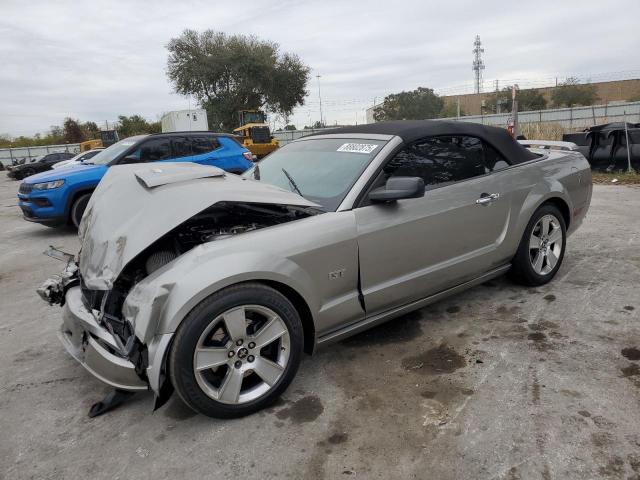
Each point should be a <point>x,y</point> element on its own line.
<point>54,289</point>
<point>94,347</point>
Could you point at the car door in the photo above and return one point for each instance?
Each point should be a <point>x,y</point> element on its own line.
<point>181,149</point>
<point>153,150</point>
<point>414,248</point>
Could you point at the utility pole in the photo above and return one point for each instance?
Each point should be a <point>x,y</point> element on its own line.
<point>478,64</point>
<point>497,96</point>
<point>514,110</point>
<point>320,98</point>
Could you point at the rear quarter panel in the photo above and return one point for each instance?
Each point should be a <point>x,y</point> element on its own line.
<point>556,175</point>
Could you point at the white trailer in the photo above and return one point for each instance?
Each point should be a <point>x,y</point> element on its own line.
<point>185,121</point>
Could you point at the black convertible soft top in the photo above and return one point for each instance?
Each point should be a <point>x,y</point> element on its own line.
<point>412,130</point>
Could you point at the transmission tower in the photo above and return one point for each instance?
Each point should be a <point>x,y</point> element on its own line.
<point>478,64</point>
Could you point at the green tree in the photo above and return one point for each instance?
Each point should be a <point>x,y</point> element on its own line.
<point>450,110</point>
<point>290,127</point>
<point>90,130</point>
<point>155,127</point>
<point>528,99</point>
<point>135,125</point>
<point>531,99</point>
<point>72,131</point>
<point>415,105</point>
<point>228,73</point>
<point>571,93</point>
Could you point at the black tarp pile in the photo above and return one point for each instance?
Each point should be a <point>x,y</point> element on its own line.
<point>605,146</point>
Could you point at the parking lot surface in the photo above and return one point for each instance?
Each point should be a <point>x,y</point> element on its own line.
<point>500,382</point>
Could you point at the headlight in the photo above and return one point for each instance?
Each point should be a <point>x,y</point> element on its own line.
<point>48,185</point>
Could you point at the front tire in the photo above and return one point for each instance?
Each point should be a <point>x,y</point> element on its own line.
<point>542,247</point>
<point>236,351</point>
<point>78,208</point>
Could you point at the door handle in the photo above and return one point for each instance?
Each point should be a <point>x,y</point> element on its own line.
<point>486,198</point>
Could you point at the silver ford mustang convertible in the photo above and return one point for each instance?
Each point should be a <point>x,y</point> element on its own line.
<point>213,285</point>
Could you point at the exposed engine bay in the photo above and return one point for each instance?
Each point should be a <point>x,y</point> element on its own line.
<point>218,222</point>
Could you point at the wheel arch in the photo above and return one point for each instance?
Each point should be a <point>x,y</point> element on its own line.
<point>72,199</point>
<point>308,326</point>
<point>561,205</point>
<point>160,381</point>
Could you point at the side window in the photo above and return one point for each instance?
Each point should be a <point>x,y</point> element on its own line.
<point>439,160</point>
<point>493,161</point>
<point>153,150</point>
<point>204,144</point>
<point>181,147</point>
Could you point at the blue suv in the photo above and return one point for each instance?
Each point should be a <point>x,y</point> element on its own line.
<point>60,196</point>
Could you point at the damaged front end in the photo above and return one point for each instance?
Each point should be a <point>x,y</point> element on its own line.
<point>54,289</point>
<point>120,249</point>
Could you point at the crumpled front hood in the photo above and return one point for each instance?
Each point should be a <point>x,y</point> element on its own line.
<point>136,204</point>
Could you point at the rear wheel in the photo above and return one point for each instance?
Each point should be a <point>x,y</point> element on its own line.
<point>541,249</point>
<point>237,351</point>
<point>78,208</point>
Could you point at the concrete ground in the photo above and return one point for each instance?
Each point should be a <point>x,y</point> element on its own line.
<point>500,382</point>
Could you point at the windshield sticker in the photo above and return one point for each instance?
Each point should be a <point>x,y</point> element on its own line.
<point>357,147</point>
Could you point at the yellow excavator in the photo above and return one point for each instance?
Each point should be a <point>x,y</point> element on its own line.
<point>255,133</point>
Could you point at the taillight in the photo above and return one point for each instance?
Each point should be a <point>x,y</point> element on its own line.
<point>248,156</point>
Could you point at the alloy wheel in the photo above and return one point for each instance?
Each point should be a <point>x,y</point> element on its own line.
<point>241,354</point>
<point>545,244</point>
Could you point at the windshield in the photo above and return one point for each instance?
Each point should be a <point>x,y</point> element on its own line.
<point>321,170</point>
<point>111,153</point>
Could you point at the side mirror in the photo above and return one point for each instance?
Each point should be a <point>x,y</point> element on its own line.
<point>398,188</point>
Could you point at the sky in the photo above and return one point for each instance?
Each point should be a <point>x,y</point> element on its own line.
<point>97,60</point>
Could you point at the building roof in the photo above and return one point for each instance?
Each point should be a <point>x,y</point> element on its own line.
<point>412,130</point>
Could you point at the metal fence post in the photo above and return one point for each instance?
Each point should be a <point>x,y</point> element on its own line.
<point>571,118</point>
<point>626,134</point>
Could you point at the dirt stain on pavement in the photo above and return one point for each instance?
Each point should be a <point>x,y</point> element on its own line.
<point>601,439</point>
<point>629,308</point>
<point>550,298</point>
<point>438,360</point>
<point>28,354</point>
<point>537,336</point>
<point>613,468</point>
<point>453,309</point>
<point>632,353</point>
<point>631,371</point>
<point>305,410</point>
<point>428,394</point>
<point>338,438</point>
